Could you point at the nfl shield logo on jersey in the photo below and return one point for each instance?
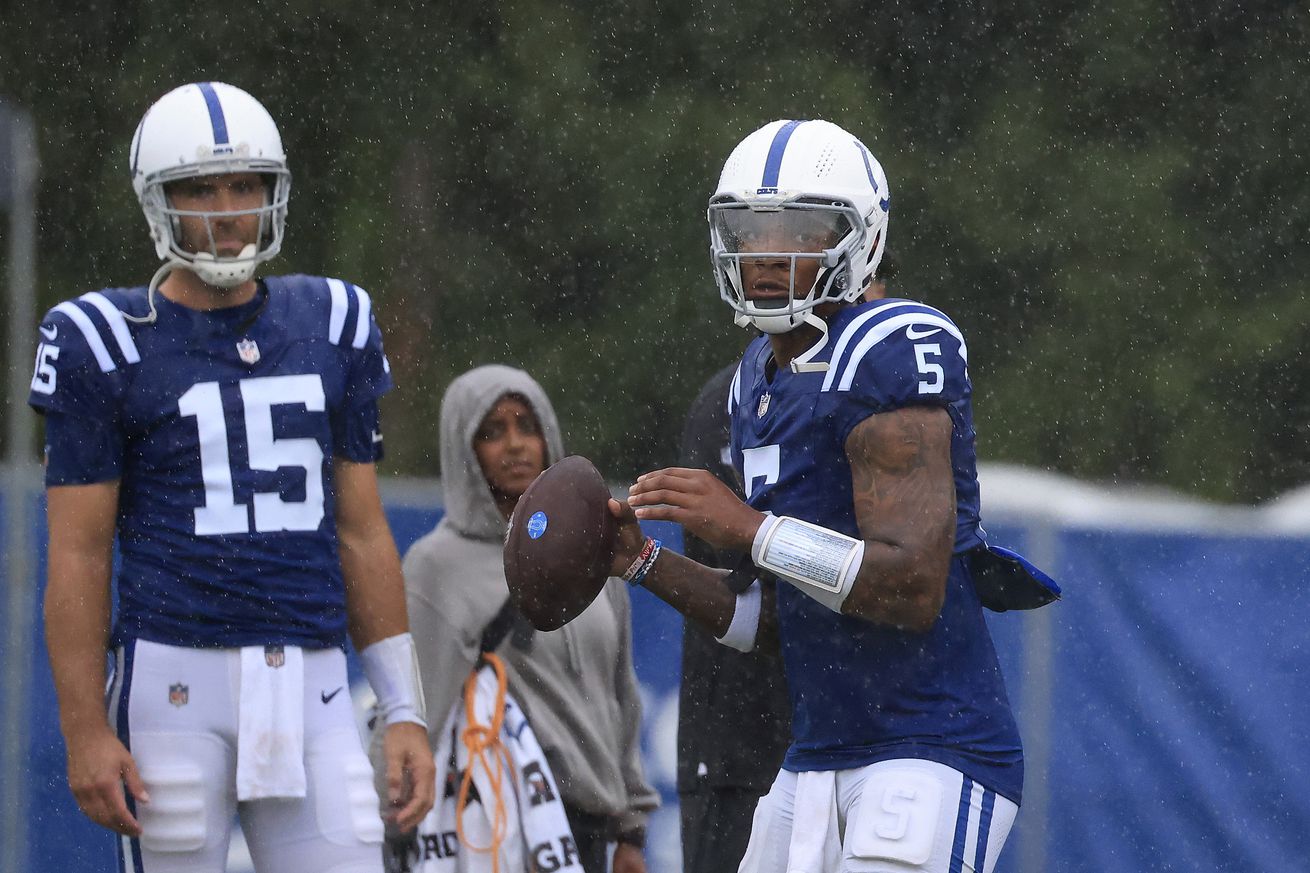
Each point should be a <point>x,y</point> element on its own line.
<point>179,694</point>
<point>248,351</point>
<point>274,656</point>
<point>764,405</point>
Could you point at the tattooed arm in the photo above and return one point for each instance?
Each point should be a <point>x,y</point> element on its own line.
<point>904,494</point>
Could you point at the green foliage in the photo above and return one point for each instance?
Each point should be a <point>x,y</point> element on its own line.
<point>1109,198</point>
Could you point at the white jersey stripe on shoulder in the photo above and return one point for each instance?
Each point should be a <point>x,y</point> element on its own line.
<point>337,321</point>
<point>885,329</point>
<point>734,392</point>
<point>88,328</point>
<point>363,317</point>
<point>117,324</point>
<point>850,331</point>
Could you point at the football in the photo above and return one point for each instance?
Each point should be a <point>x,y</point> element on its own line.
<point>560,543</point>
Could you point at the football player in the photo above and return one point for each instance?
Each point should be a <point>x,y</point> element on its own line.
<point>224,429</point>
<point>734,722</point>
<point>852,433</point>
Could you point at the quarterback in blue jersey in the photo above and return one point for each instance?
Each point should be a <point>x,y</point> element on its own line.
<point>224,431</point>
<point>852,432</point>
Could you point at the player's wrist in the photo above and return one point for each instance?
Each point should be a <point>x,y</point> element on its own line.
<point>395,731</point>
<point>822,563</point>
<point>628,546</point>
<point>753,522</point>
<point>84,726</point>
<point>756,545</point>
<point>641,565</point>
<point>391,666</point>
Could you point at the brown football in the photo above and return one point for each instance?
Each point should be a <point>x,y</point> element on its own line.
<point>560,543</point>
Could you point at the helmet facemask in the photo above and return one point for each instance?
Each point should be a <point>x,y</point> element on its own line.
<point>787,230</point>
<point>223,272</point>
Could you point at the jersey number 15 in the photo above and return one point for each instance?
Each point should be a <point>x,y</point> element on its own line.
<point>221,514</point>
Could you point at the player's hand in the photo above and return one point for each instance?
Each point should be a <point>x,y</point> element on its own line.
<point>411,774</point>
<point>628,859</point>
<point>630,539</point>
<point>697,500</point>
<point>98,768</point>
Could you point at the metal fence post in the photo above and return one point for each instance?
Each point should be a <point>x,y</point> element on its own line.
<point>18,166</point>
<point>1039,680</point>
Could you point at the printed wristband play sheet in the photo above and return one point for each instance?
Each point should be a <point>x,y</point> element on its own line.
<point>804,552</point>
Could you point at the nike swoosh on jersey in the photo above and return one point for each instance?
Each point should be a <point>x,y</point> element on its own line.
<point>51,333</point>
<point>912,334</point>
<point>327,698</point>
<point>377,437</point>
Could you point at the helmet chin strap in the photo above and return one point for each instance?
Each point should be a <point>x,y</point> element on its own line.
<point>155,281</point>
<point>207,268</point>
<point>804,363</point>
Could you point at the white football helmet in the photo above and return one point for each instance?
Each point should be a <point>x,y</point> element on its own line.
<point>796,191</point>
<point>202,129</point>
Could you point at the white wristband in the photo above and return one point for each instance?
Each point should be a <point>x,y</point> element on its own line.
<point>391,666</point>
<point>740,634</point>
<point>821,563</point>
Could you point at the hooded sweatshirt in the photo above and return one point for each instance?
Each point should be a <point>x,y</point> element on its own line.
<point>576,684</point>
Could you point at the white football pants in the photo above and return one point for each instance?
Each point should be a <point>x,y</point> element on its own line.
<point>902,816</point>
<point>176,709</point>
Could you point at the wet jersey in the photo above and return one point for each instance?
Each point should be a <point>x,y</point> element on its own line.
<point>862,692</point>
<point>221,427</point>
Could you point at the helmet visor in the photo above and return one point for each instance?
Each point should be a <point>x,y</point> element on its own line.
<point>799,228</point>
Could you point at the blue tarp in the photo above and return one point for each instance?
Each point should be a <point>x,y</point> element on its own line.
<point>1175,726</point>
<point>1179,714</point>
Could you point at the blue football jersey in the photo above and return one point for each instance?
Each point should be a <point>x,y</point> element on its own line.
<point>861,692</point>
<point>221,427</point>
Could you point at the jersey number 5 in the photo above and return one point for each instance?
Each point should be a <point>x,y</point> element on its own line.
<point>762,462</point>
<point>221,514</point>
<point>935,375</point>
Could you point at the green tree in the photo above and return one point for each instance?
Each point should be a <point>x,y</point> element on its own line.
<point>1108,197</point>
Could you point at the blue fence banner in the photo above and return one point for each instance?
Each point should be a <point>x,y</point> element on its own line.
<point>1164,702</point>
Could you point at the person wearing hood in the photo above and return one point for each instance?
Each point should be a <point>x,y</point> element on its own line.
<point>498,432</point>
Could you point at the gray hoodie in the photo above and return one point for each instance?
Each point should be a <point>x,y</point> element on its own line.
<point>576,684</point>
